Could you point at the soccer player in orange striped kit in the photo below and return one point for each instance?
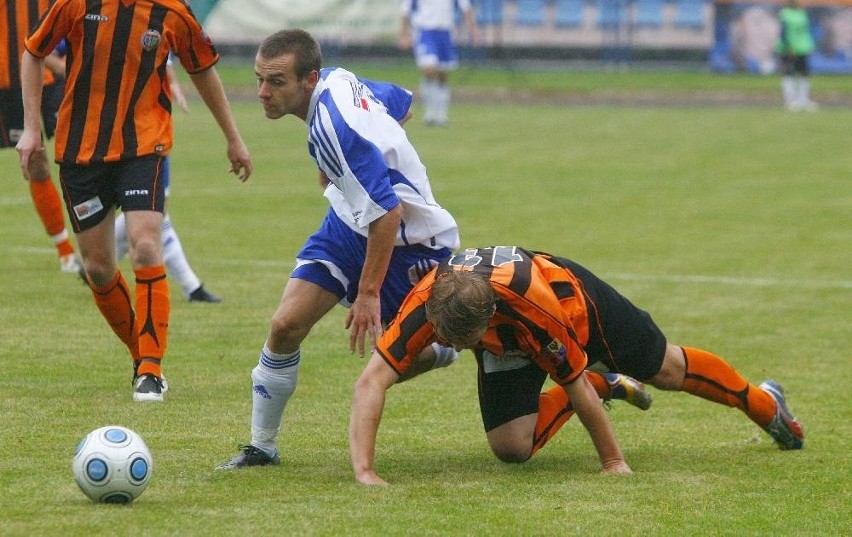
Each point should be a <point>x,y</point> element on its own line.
<point>16,18</point>
<point>114,132</point>
<point>527,315</point>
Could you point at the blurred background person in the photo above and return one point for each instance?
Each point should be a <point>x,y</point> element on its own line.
<point>18,18</point>
<point>795,46</point>
<point>427,26</point>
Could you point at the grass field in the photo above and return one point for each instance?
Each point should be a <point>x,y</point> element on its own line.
<point>731,225</point>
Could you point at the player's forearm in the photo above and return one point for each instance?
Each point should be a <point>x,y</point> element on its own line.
<point>594,419</point>
<point>32,84</point>
<point>210,88</point>
<point>380,243</point>
<point>368,403</point>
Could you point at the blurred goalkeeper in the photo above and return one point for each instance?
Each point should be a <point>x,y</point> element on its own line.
<point>527,315</point>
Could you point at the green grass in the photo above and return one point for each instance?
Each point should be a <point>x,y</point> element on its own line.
<point>732,226</point>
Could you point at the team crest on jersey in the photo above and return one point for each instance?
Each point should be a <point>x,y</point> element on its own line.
<point>557,350</point>
<point>151,40</point>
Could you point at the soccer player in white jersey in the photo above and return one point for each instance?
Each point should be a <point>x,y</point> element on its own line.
<point>427,26</point>
<point>383,231</point>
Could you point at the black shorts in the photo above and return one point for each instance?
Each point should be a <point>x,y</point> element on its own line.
<point>92,190</point>
<point>12,113</point>
<point>509,394</point>
<point>622,338</point>
<point>795,65</point>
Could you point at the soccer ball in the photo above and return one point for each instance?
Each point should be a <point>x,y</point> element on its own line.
<point>112,465</point>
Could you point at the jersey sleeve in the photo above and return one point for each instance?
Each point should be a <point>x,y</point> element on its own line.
<point>410,332</point>
<point>397,100</point>
<point>52,28</point>
<point>192,45</point>
<point>347,137</point>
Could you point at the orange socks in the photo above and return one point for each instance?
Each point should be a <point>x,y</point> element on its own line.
<point>49,208</point>
<point>554,409</point>
<point>714,379</point>
<point>153,305</point>
<point>144,335</point>
<point>113,300</point>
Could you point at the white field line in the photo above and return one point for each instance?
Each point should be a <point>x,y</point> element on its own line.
<point>288,264</point>
<point>729,280</point>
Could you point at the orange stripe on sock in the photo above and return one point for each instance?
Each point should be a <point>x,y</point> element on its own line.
<point>113,301</point>
<point>153,307</point>
<point>712,378</point>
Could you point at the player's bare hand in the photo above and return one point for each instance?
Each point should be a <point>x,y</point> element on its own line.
<point>364,320</point>
<point>240,159</point>
<point>28,145</point>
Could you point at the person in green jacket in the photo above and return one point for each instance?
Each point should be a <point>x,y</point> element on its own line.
<point>795,47</point>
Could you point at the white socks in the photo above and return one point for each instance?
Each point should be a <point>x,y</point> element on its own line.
<point>444,356</point>
<point>173,255</point>
<point>436,101</point>
<point>273,382</point>
<point>175,259</point>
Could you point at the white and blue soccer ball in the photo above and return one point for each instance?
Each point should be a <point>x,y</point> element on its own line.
<point>112,465</point>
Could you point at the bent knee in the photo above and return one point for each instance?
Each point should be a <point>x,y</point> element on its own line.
<point>673,371</point>
<point>512,449</point>
<point>285,330</point>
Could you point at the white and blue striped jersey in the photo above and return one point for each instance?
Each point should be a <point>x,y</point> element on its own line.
<point>355,138</point>
<point>433,14</point>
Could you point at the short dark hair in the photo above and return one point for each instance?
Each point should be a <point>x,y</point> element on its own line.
<point>462,303</point>
<point>299,42</point>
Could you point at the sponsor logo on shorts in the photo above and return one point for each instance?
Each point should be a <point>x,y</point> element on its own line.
<point>136,192</point>
<point>88,208</point>
<point>15,135</point>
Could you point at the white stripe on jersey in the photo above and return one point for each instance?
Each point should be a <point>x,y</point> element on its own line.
<point>370,162</point>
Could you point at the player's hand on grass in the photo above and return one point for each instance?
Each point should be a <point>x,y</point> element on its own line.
<point>364,319</point>
<point>370,478</point>
<point>616,467</point>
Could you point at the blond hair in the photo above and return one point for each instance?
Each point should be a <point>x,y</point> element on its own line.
<point>462,303</point>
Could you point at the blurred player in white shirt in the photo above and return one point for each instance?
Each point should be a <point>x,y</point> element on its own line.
<point>427,26</point>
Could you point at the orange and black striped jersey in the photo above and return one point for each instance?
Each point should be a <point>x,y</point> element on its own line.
<point>541,312</point>
<point>17,18</point>
<point>117,102</point>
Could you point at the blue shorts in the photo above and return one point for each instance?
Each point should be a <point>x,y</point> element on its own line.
<point>435,48</point>
<point>489,12</point>
<point>333,257</point>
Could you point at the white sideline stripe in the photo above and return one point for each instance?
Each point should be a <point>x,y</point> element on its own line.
<point>729,280</point>
<point>669,278</point>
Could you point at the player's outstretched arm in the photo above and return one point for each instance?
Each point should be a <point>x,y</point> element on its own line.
<point>209,86</point>
<point>368,403</point>
<point>32,84</point>
<point>591,413</point>
<point>364,318</point>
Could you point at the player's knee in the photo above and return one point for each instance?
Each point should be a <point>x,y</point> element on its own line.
<point>286,331</point>
<point>673,371</point>
<point>511,455</point>
<point>512,449</point>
